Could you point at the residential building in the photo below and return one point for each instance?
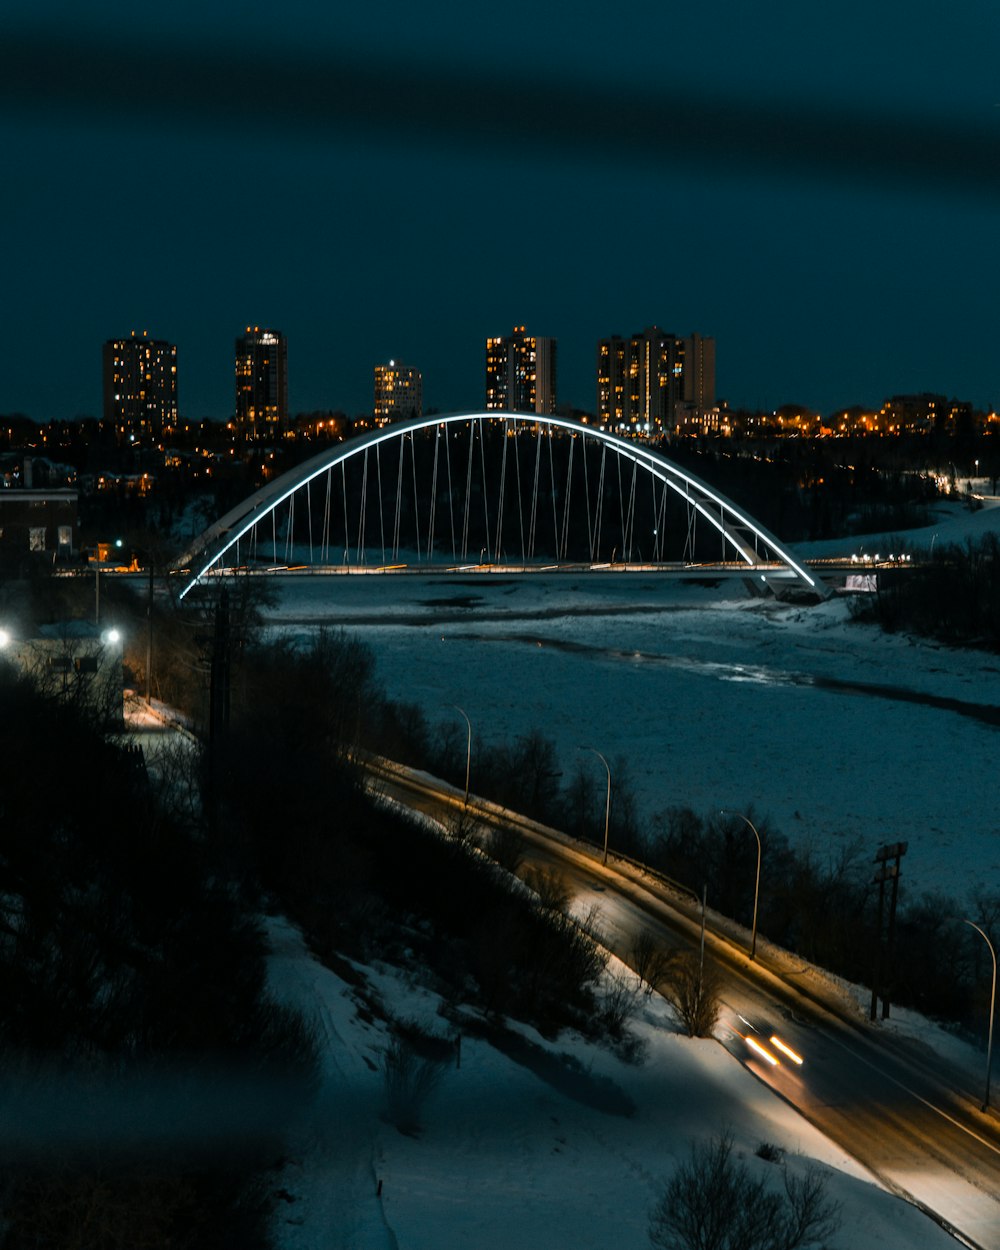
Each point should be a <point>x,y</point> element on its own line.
<point>42,520</point>
<point>261,385</point>
<point>140,385</point>
<point>521,373</point>
<point>76,661</point>
<point>398,392</point>
<point>654,382</point>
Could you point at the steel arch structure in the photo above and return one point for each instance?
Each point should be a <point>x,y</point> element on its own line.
<point>751,543</point>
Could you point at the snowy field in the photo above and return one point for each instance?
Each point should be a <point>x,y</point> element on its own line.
<point>510,1157</point>
<point>715,700</point>
<point>839,735</point>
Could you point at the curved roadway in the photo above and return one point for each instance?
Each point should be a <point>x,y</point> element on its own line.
<point>901,1112</point>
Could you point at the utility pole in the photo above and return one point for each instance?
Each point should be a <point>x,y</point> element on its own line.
<point>218,706</point>
<point>885,872</point>
<point>149,633</point>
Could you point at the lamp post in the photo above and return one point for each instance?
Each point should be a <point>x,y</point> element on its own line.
<point>148,555</point>
<point>756,884</point>
<point>607,803</point>
<point>993,999</point>
<point>97,581</point>
<point>468,749</point>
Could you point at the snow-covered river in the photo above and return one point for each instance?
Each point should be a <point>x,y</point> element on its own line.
<point>838,734</point>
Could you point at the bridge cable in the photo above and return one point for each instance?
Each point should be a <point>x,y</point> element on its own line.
<point>434,480</point>
<point>486,498</point>
<point>503,481</point>
<point>552,489</point>
<point>363,512</point>
<point>600,505</point>
<point>566,501</point>
<point>347,528</point>
<point>534,492</point>
<point>468,492</point>
<point>451,493</point>
<point>394,541</point>
<point>661,521</point>
<point>324,548</point>
<point>520,498</point>
<point>630,515</point>
<point>381,504</point>
<point>586,493</point>
<point>399,501</point>
<point>416,497</point>
<point>621,502</point>
<point>309,517</point>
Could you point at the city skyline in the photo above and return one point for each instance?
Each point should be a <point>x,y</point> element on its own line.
<point>262,382</point>
<point>796,192</point>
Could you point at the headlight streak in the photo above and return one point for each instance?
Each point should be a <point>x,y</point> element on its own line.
<point>761,1050</point>
<point>786,1050</point>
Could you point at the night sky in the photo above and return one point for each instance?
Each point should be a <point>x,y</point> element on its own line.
<point>814,185</point>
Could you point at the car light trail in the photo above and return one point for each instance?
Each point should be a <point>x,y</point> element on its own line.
<point>762,1051</point>
<point>786,1050</point>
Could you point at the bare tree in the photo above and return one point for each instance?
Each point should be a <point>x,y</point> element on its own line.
<point>550,886</point>
<point>505,844</point>
<point>462,825</point>
<point>409,1079</point>
<point>650,961</point>
<point>618,1001</point>
<point>714,1202</point>
<point>692,989</point>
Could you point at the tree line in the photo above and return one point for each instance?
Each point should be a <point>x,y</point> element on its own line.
<point>148,1078</point>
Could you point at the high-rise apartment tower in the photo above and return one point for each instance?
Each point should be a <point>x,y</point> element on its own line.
<point>521,373</point>
<point>654,382</point>
<point>261,384</point>
<point>398,392</point>
<point>140,385</point>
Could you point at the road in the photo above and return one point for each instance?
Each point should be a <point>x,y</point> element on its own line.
<point>915,1123</point>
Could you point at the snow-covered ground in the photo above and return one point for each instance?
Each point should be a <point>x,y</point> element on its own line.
<point>715,700</point>
<point>826,727</point>
<point>569,1152</point>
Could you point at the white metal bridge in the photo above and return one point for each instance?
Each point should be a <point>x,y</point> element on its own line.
<point>523,490</point>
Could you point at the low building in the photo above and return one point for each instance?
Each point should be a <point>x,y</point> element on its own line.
<point>75,661</point>
<point>39,521</point>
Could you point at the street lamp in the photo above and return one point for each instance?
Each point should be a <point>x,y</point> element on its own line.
<point>993,999</point>
<point>97,581</point>
<point>468,750</point>
<point>147,555</point>
<point>607,804</point>
<point>756,886</point>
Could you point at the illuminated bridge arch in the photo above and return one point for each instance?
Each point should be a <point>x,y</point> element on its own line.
<point>436,488</point>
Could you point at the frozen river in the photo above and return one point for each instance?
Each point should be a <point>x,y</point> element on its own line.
<point>834,731</point>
